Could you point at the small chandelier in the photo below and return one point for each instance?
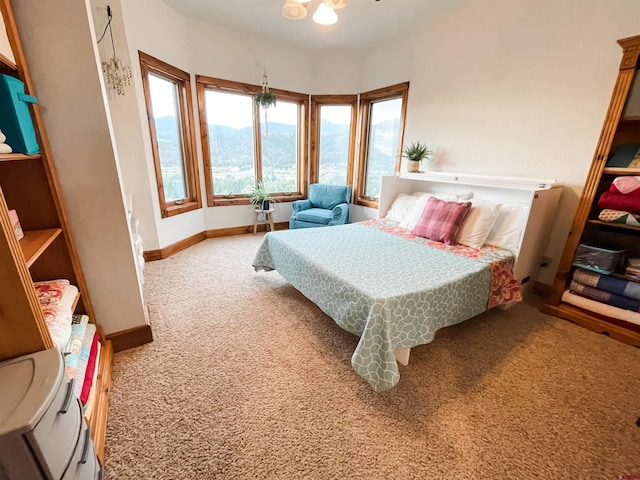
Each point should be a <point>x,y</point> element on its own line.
<point>115,73</point>
<point>324,15</point>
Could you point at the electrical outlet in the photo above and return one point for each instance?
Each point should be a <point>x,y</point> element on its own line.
<point>546,261</point>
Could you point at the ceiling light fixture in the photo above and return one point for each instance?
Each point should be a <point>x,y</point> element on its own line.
<point>324,15</point>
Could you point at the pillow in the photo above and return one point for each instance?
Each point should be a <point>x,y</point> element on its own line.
<point>401,207</point>
<point>441,220</point>
<point>478,223</point>
<point>411,220</point>
<point>509,226</point>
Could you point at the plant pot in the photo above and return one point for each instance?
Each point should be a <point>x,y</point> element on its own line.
<point>265,205</point>
<point>413,166</point>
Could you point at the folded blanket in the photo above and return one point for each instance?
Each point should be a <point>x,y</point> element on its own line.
<point>618,216</point>
<point>618,201</point>
<point>626,185</point>
<point>625,156</point>
<point>56,298</point>
<point>89,374</point>
<point>605,297</point>
<point>632,272</point>
<point>73,349</point>
<point>607,283</point>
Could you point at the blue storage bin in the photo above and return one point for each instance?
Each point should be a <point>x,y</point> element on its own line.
<point>15,119</point>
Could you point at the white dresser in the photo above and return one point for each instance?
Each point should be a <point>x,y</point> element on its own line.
<point>43,434</point>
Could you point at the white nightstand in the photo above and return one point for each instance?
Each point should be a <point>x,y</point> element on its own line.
<point>263,217</point>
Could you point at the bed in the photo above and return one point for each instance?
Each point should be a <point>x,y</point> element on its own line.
<point>392,288</point>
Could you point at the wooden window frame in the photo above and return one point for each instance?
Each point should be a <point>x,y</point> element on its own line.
<point>151,65</point>
<point>317,101</point>
<point>204,83</point>
<point>400,90</point>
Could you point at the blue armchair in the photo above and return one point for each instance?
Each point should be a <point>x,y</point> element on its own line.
<point>325,206</point>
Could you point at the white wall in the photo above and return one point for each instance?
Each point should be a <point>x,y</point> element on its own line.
<point>5,47</point>
<point>62,59</point>
<point>503,87</point>
<point>202,49</point>
<point>518,88</point>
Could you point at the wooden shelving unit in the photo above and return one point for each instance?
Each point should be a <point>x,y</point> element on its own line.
<point>618,129</point>
<point>29,184</point>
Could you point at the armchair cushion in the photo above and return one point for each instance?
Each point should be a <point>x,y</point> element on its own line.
<point>315,215</point>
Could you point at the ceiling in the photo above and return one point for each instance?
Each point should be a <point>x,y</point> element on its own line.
<point>361,24</point>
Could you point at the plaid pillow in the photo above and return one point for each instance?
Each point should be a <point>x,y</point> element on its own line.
<point>440,220</point>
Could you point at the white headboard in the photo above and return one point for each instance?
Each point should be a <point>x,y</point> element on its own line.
<point>538,196</point>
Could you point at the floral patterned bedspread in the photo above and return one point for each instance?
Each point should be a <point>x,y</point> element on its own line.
<point>392,289</point>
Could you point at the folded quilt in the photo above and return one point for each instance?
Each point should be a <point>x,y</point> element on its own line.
<point>81,370</point>
<point>605,297</point>
<point>607,283</point>
<point>618,216</point>
<point>74,346</point>
<point>56,299</point>
<point>626,185</point>
<point>618,201</point>
<point>632,272</point>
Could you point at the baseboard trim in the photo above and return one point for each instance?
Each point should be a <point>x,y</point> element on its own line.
<point>152,255</point>
<point>542,289</point>
<point>133,337</point>
<point>162,253</point>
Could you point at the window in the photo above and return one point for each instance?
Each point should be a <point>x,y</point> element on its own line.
<point>333,132</point>
<point>382,116</point>
<point>167,93</point>
<point>242,143</point>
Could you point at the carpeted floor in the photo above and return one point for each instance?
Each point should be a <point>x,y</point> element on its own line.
<point>246,379</point>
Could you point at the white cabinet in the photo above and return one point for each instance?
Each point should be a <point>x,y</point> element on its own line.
<point>43,434</point>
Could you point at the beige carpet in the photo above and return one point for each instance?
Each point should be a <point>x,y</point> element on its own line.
<point>246,379</point>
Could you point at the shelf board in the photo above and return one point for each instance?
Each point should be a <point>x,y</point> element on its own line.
<point>615,225</point>
<point>622,171</point>
<point>12,157</point>
<point>35,242</point>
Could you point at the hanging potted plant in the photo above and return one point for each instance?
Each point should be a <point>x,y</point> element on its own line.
<point>415,153</point>
<point>265,98</point>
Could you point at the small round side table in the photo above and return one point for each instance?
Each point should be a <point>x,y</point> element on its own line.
<point>263,217</point>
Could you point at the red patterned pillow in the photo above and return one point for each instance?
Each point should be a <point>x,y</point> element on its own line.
<point>440,220</point>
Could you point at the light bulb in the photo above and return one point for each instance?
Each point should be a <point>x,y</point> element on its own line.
<point>325,15</point>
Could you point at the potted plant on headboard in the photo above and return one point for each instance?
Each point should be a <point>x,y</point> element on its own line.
<point>415,153</point>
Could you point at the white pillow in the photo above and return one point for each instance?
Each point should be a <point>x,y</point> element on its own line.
<point>476,226</point>
<point>410,220</point>
<point>509,227</point>
<point>401,207</point>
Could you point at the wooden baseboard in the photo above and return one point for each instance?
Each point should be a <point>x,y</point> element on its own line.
<point>133,337</point>
<point>542,289</point>
<point>153,255</point>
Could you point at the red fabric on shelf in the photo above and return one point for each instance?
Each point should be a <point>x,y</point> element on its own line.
<point>618,201</point>
<point>91,368</point>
